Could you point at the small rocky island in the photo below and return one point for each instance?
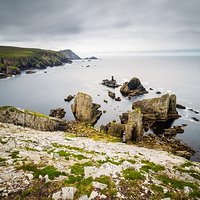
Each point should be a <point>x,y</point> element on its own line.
<point>133,88</point>
<point>110,83</point>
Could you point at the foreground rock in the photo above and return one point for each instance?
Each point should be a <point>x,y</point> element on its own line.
<point>133,88</point>
<point>81,168</point>
<point>110,83</point>
<point>34,120</point>
<point>158,109</point>
<point>58,113</point>
<point>85,110</point>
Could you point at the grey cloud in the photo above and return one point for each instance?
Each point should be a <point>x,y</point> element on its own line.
<point>68,20</point>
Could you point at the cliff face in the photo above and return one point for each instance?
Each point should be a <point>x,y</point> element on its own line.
<point>14,59</point>
<point>34,120</point>
<point>70,54</point>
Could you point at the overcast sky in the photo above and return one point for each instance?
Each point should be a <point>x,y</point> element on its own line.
<point>101,25</point>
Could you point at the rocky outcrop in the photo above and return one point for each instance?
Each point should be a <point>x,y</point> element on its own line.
<point>27,118</point>
<point>133,88</point>
<point>110,83</point>
<point>69,54</point>
<point>69,98</point>
<point>134,128</point>
<point>57,113</point>
<point>131,125</point>
<point>158,109</point>
<point>84,109</point>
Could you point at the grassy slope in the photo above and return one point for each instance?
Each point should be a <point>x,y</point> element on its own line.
<point>16,52</point>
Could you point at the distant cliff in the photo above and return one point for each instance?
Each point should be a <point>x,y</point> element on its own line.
<point>15,59</point>
<point>70,54</point>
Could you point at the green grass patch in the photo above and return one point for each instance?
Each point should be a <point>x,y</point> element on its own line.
<point>30,149</point>
<point>111,190</point>
<point>151,166</point>
<point>175,183</point>
<point>131,174</point>
<point>84,187</point>
<point>56,145</point>
<point>64,154</point>
<point>191,172</point>
<point>131,161</point>
<point>2,159</point>
<point>14,154</point>
<point>115,162</point>
<point>51,171</point>
<point>156,188</point>
<point>78,168</point>
<point>2,141</point>
<point>73,179</point>
<point>187,164</point>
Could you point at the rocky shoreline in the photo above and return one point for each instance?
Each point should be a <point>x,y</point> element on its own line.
<point>101,163</point>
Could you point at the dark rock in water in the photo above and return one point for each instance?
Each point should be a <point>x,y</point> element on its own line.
<point>111,94</point>
<point>91,58</point>
<point>170,132</point>
<point>180,106</point>
<point>195,119</point>
<point>69,98</point>
<point>179,129</point>
<point>110,83</point>
<point>133,88</point>
<point>150,88</point>
<point>158,92</point>
<point>87,66</point>
<point>85,110</point>
<point>4,75</point>
<point>104,111</point>
<point>31,119</point>
<point>30,72</point>
<point>105,101</point>
<point>194,111</point>
<point>117,99</point>
<point>45,72</point>
<point>58,113</point>
<point>158,109</point>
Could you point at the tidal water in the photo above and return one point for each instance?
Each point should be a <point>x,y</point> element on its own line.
<point>176,74</point>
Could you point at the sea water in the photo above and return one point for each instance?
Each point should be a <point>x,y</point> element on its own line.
<point>174,74</point>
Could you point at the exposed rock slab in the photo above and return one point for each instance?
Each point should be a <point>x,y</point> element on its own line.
<point>158,109</point>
